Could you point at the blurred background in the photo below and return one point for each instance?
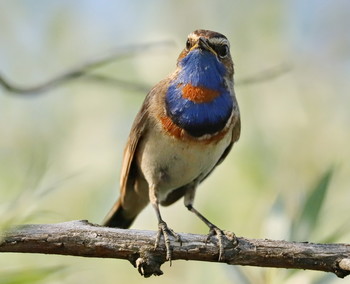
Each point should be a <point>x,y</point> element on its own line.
<point>61,150</point>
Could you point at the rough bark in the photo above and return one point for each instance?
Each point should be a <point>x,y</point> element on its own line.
<point>80,238</point>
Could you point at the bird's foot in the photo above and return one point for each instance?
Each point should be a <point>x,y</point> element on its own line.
<point>222,239</point>
<point>164,230</point>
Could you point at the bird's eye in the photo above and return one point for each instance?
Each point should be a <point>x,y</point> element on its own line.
<point>222,50</point>
<point>188,44</point>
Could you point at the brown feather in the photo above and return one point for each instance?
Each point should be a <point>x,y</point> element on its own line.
<point>129,204</point>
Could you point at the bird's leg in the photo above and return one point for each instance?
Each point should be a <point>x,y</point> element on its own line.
<point>163,228</point>
<point>213,230</point>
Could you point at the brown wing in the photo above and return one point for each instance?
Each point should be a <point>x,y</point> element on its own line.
<point>126,208</point>
<point>154,100</point>
<point>179,192</point>
<point>137,131</point>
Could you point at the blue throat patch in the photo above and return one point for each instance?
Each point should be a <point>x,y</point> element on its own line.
<point>199,69</point>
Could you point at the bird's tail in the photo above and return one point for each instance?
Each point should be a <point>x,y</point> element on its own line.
<point>118,218</point>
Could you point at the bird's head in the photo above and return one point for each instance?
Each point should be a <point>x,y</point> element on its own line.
<point>205,49</point>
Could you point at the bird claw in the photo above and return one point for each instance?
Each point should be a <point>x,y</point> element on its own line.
<point>164,230</point>
<point>221,237</point>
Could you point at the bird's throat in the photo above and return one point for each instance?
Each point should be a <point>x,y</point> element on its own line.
<point>198,99</point>
<point>200,112</point>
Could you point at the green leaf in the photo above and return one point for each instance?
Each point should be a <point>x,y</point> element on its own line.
<point>306,222</point>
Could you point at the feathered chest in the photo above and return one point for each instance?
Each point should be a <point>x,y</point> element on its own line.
<point>198,100</point>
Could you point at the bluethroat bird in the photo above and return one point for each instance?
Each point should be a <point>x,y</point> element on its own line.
<point>186,127</point>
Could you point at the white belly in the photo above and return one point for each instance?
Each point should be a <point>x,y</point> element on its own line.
<point>169,163</point>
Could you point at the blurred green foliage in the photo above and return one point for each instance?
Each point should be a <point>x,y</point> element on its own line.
<point>306,222</point>
<point>61,151</point>
<point>29,276</point>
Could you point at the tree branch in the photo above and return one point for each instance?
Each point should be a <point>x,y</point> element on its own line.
<point>80,238</point>
<point>265,75</point>
<point>84,69</point>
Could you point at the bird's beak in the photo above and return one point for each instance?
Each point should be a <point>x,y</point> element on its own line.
<point>202,44</point>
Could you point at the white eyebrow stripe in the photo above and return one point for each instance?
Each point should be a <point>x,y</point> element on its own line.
<point>213,40</point>
<point>218,41</point>
<point>193,36</point>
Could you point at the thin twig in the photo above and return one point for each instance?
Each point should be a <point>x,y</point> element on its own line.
<point>265,75</point>
<point>82,69</point>
<point>79,238</point>
<point>102,79</point>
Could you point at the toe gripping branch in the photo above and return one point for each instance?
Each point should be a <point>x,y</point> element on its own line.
<point>148,259</point>
<point>225,239</point>
<point>164,230</point>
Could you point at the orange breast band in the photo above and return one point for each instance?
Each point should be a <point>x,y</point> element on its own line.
<point>199,94</point>
<point>173,130</point>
